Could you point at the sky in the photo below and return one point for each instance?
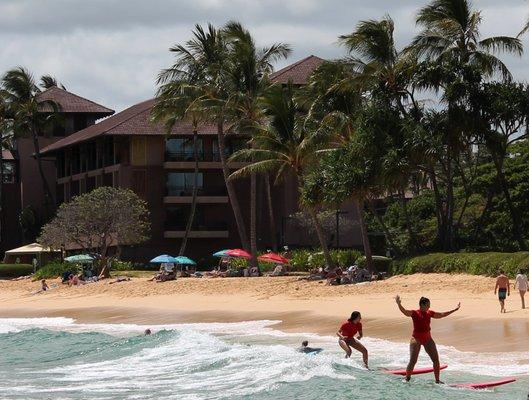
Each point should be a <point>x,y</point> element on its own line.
<point>110,51</point>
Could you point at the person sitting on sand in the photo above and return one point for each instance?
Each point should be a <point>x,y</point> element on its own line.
<point>73,280</point>
<point>421,334</point>
<point>334,277</point>
<point>350,333</point>
<point>44,285</point>
<point>522,285</point>
<point>503,288</point>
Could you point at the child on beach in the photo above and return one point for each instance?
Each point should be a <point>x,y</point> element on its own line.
<point>522,285</point>
<point>350,333</point>
<point>503,288</point>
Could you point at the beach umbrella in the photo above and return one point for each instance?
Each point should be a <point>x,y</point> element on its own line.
<point>80,258</point>
<point>238,253</point>
<point>184,260</point>
<point>164,259</point>
<point>221,253</point>
<point>273,258</point>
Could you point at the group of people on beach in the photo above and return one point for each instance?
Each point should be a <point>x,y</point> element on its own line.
<point>503,287</point>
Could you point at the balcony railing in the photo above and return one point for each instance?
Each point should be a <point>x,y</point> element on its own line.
<point>197,227</point>
<point>189,156</point>
<point>204,191</point>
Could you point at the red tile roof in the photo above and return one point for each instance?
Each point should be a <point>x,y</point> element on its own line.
<point>72,103</point>
<point>299,72</point>
<point>6,155</point>
<point>134,120</point>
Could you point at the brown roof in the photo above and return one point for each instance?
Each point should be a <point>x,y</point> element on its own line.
<point>72,103</point>
<point>6,155</point>
<point>299,72</point>
<point>134,120</point>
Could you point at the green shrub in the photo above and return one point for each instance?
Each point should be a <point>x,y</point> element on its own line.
<point>118,265</point>
<point>471,263</point>
<point>15,270</point>
<point>54,270</point>
<point>380,263</point>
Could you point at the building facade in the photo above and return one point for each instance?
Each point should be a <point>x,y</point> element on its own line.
<point>128,150</point>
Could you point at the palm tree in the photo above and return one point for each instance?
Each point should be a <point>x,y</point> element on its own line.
<point>22,97</point>
<point>451,46</point>
<point>450,31</point>
<point>176,100</point>
<point>205,59</point>
<point>283,147</point>
<point>250,68</point>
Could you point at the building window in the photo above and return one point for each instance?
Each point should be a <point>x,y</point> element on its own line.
<point>181,183</point>
<point>181,149</point>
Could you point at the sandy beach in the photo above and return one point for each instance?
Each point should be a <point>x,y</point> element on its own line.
<point>301,306</point>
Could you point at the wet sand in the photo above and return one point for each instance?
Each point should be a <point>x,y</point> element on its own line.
<point>300,306</point>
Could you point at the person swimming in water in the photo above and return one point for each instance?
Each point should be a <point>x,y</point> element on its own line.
<point>306,349</point>
<point>350,333</point>
<point>421,334</point>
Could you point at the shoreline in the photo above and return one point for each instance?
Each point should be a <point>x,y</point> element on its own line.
<point>302,307</point>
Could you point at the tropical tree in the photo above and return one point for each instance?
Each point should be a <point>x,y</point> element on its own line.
<point>250,70</point>
<point>285,147</point>
<point>504,110</point>
<point>29,118</point>
<point>178,98</point>
<point>205,58</point>
<point>451,31</point>
<point>95,221</point>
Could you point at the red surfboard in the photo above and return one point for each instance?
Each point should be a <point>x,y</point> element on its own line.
<point>484,385</point>
<point>417,371</point>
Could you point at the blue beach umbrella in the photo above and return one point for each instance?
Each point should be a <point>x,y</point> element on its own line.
<point>184,260</point>
<point>164,258</point>
<point>221,253</point>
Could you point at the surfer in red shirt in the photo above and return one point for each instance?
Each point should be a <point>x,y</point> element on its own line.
<point>421,334</point>
<point>350,333</point>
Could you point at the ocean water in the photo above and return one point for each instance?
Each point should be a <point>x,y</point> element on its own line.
<point>56,358</point>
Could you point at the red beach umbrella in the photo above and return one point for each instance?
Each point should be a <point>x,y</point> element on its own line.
<point>238,253</point>
<point>273,258</point>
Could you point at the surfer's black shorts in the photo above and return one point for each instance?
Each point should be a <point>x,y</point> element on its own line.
<point>502,294</point>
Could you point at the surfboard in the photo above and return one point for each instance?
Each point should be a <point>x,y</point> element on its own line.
<point>416,371</point>
<point>484,385</point>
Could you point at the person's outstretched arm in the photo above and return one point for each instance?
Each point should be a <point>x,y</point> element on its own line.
<point>438,315</point>
<point>497,285</point>
<point>407,313</point>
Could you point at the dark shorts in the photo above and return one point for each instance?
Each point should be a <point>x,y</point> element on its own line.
<point>502,294</point>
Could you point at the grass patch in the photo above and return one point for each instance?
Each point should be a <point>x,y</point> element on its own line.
<point>486,264</point>
<point>55,270</point>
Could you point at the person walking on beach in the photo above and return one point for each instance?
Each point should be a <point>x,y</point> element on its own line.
<point>503,288</point>
<point>350,333</point>
<point>522,285</point>
<point>421,334</point>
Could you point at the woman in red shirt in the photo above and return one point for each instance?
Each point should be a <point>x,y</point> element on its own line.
<point>350,333</point>
<point>421,334</point>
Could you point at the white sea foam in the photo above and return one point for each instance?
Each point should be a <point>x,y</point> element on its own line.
<point>210,352</point>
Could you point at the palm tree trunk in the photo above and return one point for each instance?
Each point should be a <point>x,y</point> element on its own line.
<point>253,220</point>
<point>365,237</point>
<point>321,237</point>
<point>413,238</point>
<point>271,216</point>
<point>241,228</point>
<point>48,197</point>
<point>191,217</point>
<point>1,187</point>
<point>517,230</point>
